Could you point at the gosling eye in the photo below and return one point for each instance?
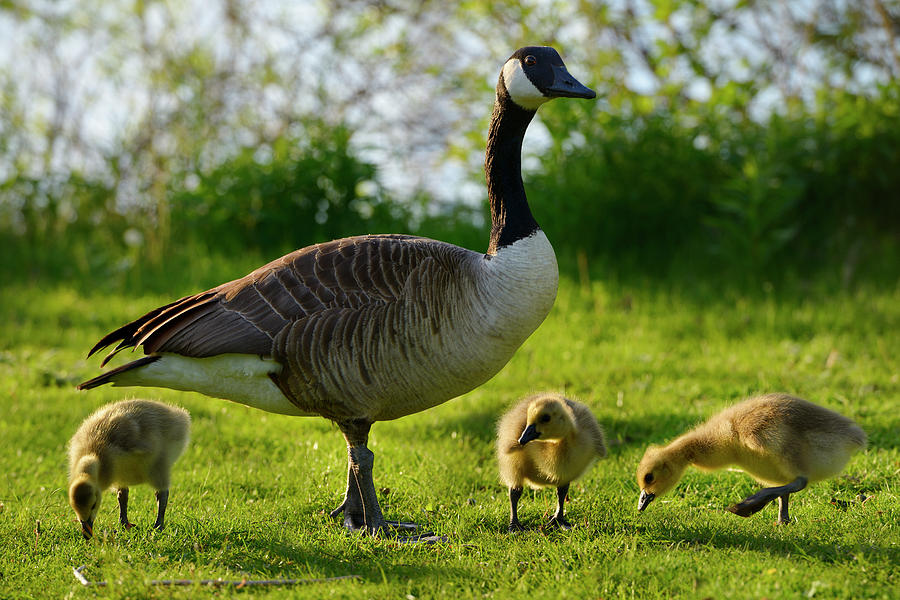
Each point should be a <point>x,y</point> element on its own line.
<point>530,60</point>
<point>545,418</point>
<point>648,478</point>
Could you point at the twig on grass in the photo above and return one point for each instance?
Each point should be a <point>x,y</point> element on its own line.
<point>79,575</point>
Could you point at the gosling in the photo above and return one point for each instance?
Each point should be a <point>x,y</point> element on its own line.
<point>123,444</point>
<point>546,440</point>
<point>777,439</point>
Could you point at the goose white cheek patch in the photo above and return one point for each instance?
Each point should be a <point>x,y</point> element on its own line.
<point>520,88</point>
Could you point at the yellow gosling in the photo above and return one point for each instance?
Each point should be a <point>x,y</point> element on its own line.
<point>778,439</point>
<point>546,440</point>
<point>123,444</point>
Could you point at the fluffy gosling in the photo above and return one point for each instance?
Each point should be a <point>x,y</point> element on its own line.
<point>777,439</point>
<point>122,444</point>
<point>546,440</point>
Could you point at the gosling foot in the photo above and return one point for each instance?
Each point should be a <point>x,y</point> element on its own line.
<point>559,522</point>
<point>515,526</point>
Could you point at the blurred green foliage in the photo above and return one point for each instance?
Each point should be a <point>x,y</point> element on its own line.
<point>815,191</point>
<point>260,138</point>
<point>277,197</point>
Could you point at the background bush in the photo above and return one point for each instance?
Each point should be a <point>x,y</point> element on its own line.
<point>240,137</point>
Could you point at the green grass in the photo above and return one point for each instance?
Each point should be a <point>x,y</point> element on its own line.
<point>251,494</point>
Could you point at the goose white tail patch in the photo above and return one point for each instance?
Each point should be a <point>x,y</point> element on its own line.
<point>520,88</point>
<point>237,377</point>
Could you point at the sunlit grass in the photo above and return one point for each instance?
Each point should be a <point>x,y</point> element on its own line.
<point>250,496</point>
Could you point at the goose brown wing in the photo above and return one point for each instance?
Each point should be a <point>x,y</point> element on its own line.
<point>244,316</point>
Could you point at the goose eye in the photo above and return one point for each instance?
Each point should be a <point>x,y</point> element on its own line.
<point>530,60</point>
<point>545,419</point>
<point>648,478</point>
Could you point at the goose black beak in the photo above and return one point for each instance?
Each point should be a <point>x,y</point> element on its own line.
<point>566,86</point>
<point>87,528</point>
<point>645,499</point>
<point>529,434</point>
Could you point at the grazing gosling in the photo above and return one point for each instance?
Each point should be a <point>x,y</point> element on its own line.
<point>777,439</point>
<point>122,444</point>
<point>546,440</point>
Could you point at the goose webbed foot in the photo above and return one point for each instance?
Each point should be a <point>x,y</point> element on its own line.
<point>754,503</point>
<point>357,523</point>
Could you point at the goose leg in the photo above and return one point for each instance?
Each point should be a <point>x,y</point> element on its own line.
<point>122,497</point>
<point>162,501</point>
<point>360,506</point>
<point>755,503</point>
<point>514,524</point>
<point>559,519</point>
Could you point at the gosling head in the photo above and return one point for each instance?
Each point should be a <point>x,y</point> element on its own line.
<point>84,497</point>
<point>657,473</point>
<point>535,74</point>
<point>548,419</point>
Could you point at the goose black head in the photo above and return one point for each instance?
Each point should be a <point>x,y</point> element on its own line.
<point>535,74</point>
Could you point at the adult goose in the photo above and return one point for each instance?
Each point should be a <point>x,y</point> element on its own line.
<point>374,327</point>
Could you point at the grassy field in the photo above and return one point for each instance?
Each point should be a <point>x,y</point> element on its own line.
<point>250,496</point>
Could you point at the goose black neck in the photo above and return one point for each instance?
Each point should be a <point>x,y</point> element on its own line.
<point>511,219</point>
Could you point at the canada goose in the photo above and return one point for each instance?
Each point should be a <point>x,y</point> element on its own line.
<point>546,440</point>
<point>375,327</point>
<point>123,444</point>
<point>776,438</point>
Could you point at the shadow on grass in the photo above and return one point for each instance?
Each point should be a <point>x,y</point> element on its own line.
<point>481,425</point>
<point>329,553</point>
<point>681,535</point>
<point>658,428</point>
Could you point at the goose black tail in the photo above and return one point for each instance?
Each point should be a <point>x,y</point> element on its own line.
<point>108,376</point>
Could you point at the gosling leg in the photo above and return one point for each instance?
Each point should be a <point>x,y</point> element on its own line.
<point>559,519</point>
<point>162,501</point>
<point>122,497</point>
<point>783,518</point>
<point>754,503</point>
<point>514,524</point>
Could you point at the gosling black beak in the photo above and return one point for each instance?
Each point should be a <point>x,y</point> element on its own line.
<point>87,528</point>
<point>645,499</point>
<point>566,86</point>
<point>529,434</point>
